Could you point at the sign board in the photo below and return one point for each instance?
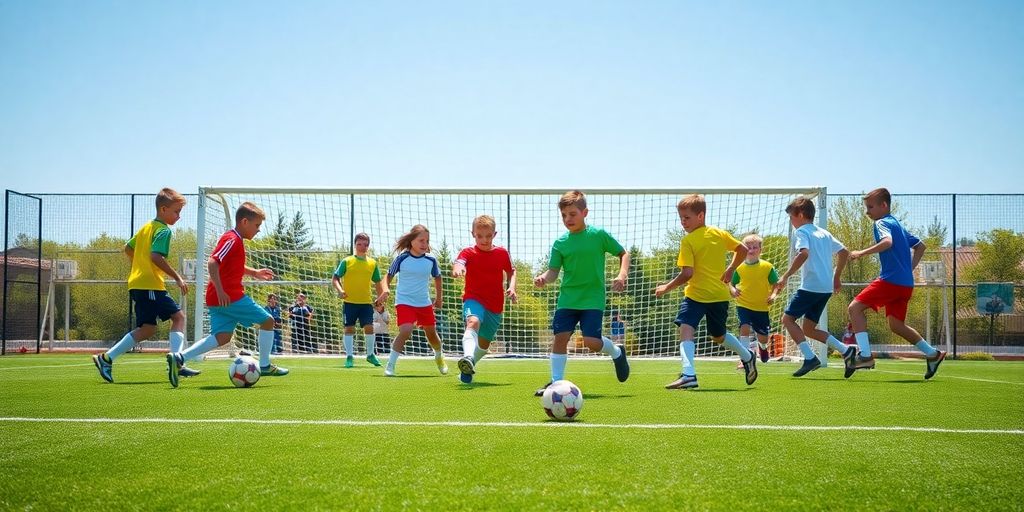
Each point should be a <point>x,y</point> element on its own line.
<point>995,298</point>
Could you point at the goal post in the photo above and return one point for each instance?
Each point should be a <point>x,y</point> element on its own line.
<point>309,230</point>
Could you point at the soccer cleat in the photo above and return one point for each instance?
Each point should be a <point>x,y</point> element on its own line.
<point>441,365</point>
<point>389,371</point>
<point>809,366</point>
<point>763,352</point>
<point>849,361</point>
<point>621,365</point>
<point>683,382</point>
<point>372,359</point>
<point>185,371</point>
<point>933,364</point>
<point>273,370</point>
<point>105,366</point>
<point>750,369</point>
<point>174,363</point>
<point>349,362</point>
<point>860,363</point>
<point>466,365</point>
<point>242,352</point>
<point>540,392</point>
<point>466,378</point>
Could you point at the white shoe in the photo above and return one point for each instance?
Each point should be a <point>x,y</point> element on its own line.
<point>442,366</point>
<point>389,371</point>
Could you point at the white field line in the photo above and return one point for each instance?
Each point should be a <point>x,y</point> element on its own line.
<point>992,381</point>
<point>500,424</point>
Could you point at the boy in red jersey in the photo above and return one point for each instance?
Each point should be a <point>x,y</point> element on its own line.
<point>226,299</point>
<point>488,270</point>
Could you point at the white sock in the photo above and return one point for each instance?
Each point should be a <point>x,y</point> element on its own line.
<point>470,341</point>
<point>687,349</point>
<point>806,350</point>
<point>863,346</point>
<point>266,343</point>
<point>393,359</point>
<point>926,348</point>
<point>609,348</point>
<point>558,366</point>
<point>371,344</point>
<point>177,341</point>
<point>203,346</point>
<point>438,355</point>
<point>736,346</point>
<point>126,344</point>
<point>348,345</point>
<point>836,344</point>
<point>478,354</point>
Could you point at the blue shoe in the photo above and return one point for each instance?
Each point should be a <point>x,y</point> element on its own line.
<point>809,366</point>
<point>174,363</point>
<point>185,371</point>
<point>621,365</point>
<point>683,382</point>
<point>750,369</point>
<point>104,365</point>
<point>466,378</point>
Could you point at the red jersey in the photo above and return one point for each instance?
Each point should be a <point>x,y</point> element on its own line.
<point>484,280</point>
<point>230,253</point>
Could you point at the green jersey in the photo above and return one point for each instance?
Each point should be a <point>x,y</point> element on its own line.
<point>581,256</point>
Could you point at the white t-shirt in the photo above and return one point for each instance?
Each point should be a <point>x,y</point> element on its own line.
<point>816,274</point>
<point>380,322</point>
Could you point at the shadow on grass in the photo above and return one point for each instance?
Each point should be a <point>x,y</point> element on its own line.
<point>598,396</point>
<point>144,383</point>
<point>403,377</point>
<point>218,388</point>
<point>468,387</point>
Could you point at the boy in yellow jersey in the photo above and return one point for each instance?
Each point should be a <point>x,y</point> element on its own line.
<point>352,282</point>
<point>702,255</point>
<point>753,288</point>
<point>147,251</point>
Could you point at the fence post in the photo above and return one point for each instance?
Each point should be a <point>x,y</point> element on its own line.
<point>955,282</point>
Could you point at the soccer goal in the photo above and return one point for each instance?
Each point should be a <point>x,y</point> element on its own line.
<point>309,230</point>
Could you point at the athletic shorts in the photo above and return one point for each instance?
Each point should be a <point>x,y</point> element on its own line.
<point>243,312</point>
<point>361,312</point>
<point>757,320</point>
<point>883,294</point>
<point>589,320</point>
<point>152,304</point>
<point>808,305</point>
<point>423,316</point>
<point>692,312</point>
<point>489,321</point>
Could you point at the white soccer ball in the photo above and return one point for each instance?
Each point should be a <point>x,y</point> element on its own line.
<point>562,400</point>
<point>244,372</point>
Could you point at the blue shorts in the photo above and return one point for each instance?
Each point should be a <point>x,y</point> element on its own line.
<point>361,312</point>
<point>489,321</point>
<point>808,305</point>
<point>152,304</point>
<point>242,311</point>
<point>692,312</point>
<point>757,320</point>
<point>589,320</point>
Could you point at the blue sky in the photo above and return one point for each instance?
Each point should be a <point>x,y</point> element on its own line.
<point>130,96</point>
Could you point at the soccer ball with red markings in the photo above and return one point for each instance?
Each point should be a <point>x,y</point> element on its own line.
<point>244,372</point>
<point>562,400</point>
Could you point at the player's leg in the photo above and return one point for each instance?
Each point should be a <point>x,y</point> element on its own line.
<point>563,324</point>
<point>371,341</point>
<point>590,325</point>
<point>896,314</point>
<point>435,343</point>
<point>472,312</point>
<point>265,339</point>
<point>688,319</point>
<point>406,323</point>
<point>717,315</point>
<point>350,314</point>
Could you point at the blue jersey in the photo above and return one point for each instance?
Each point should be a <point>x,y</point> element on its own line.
<point>414,285</point>
<point>896,260</point>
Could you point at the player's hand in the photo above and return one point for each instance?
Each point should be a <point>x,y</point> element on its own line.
<point>223,299</point>
<point>771,298</point>
<point>618,284</point>
<point>735,292</point>
<point>856,254</point>
<point>264,274</point>
<point>837,284</point>
<point>382,298</point>
<point>781,284</point>
<point>727,276</point>
<point>513,297</point>
<point>437,302</point>
<point>662,289</point>
<point>458,271</point>
<point>342,294</point>
<point>539,281</point>
<point>183,285</point>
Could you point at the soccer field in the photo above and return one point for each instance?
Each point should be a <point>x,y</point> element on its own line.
<point>329,438</point>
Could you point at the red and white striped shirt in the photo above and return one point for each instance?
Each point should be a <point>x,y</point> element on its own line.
<point>230,253</point>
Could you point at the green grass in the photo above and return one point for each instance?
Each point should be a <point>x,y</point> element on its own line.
<point>445,466</point>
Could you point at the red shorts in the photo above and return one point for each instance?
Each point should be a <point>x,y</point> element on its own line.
<point>423,317</point>
<point>893,297</point>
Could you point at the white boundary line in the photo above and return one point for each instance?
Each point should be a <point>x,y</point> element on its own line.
<point>500,424</point>
<point>956,377</point>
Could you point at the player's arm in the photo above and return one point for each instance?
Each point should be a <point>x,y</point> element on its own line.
<point>459,268</point>
<point>685,273</point>
<point>733,290</point>
<point>918,254</point>
<point>798,261</point>
<point>883,245</point>
<point>545,278</point>
<point>510,285</point>
<point>382,292</point>
<point>213,268</point>
<point>842,257</point>
<point>336,283</point>
<point>264,274</point>
<point>129,251</point>
<point>738,255</point>
<point>161,263</point>
<point>438,292</point>
<point>619,283</point>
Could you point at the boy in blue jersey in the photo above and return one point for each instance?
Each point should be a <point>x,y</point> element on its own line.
<point>899,253</point>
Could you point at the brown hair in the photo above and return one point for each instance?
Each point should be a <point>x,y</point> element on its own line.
<point>404,242</point>
<point>168,197</point>
<point>573,198</point>
<point>249,210</point>
<point>694,203</point>
<point>361,236</point>
<point>880,195</point>
<point>484,221</point>
<point>802,206</point>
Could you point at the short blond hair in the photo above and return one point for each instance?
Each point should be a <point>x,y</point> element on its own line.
<point>694,203</point>
<point>752,238</point>
<point>880,195</point>
<point>484,221</point>
<point>168,197</point>
<point>249,210</point>
<point>573,198</point>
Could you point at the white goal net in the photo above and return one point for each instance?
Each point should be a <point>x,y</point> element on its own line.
<point>308,231</point>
